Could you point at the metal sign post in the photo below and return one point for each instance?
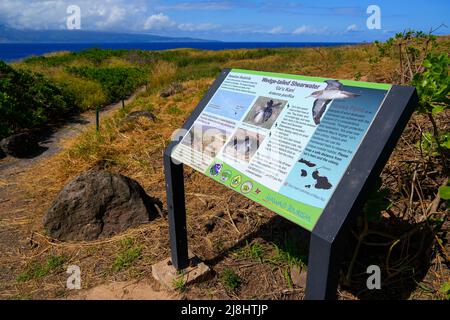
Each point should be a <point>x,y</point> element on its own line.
<point>328,234</point>
<point>177,211</point>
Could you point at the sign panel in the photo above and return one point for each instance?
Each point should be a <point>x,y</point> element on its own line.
<point>284,141</point>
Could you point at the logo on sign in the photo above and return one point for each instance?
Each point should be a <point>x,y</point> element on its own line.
<point>225,175</point>
<point>215,169</point>
<point>246,187</point>
<point>236,181</point>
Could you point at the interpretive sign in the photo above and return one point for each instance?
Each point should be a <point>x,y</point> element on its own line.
<point>307,148</point>
<point>281,140</point>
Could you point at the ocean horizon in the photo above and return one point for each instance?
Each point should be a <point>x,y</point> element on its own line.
<point>11,52</point>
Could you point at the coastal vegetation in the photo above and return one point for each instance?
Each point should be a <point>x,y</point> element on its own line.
<point>404,227</point>
<point>29,99</point>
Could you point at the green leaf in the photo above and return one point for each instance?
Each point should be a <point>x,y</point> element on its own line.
<point>445,289</point>
<point>437,108</point>
<point>444,192</point>
<point>427,64</point>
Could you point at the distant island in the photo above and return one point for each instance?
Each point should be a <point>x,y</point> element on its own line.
<point>12,35</point>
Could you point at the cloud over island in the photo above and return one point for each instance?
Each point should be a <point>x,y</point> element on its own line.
<point>229,20</point>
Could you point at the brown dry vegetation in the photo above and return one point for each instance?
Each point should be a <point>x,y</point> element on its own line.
<point>225,229</point>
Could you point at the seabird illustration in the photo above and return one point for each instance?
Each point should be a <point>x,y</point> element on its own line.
<point>332,91</point>
<point>263,114</point>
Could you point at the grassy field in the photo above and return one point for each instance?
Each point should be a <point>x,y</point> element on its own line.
<point>254,253</point>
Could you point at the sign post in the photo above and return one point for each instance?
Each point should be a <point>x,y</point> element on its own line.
<point>177,211</point>
<point>307,148</point>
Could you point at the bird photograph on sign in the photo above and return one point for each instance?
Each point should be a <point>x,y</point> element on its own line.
<point>243,144</point>
<point>265,112</point>
<point>205,139</point>
<point>334,90</point>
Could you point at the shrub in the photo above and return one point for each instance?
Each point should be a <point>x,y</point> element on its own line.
<point>118,82</point>
<point>28,100</point>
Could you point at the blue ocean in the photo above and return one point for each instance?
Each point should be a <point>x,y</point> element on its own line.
<point>16,51</point>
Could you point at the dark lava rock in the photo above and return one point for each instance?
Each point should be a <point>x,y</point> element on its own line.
<point>174,88</point>
<point>98,204</point>
<point>137,114</point>
<point>19,145</point>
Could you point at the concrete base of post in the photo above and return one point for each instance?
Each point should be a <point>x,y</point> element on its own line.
<point>167,275</point>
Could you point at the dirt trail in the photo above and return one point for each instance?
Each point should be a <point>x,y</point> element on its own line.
<point>15,205</point>
<point>126,290</point>
<point>9,167</point>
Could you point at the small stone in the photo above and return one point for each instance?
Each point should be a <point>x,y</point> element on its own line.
<point>298,276</point>
<point>144,114</point>
<point>19,145</point>
<point>174,88</point>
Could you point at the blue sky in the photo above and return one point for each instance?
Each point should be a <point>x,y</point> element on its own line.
<point>232,20</point>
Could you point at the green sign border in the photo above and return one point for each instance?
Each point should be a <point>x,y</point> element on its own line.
<point>295,211</point>
<point>362,84</point>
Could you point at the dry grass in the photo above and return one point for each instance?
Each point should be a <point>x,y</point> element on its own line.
<point>162,74</point>
<point>135,150</point>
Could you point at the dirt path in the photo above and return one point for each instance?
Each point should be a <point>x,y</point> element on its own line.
<point>9,167</point>
<point>16,205</point>
<point>124,290</point>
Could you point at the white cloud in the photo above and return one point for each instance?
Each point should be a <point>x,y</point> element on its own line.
<point>158,22</point>
<point>276,30</point>
<point>309,30</point>
<point>113,17</point>
<point>202,5</point>
<point>161,22</point>
<point>32,15</point>
<point>51,14</point>
<point>197,27</point>
<point>352,27</point>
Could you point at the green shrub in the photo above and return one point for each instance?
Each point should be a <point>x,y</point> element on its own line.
<point>28,100</point>
<point>118,82</point>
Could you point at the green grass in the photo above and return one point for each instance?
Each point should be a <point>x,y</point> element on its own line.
<point>38,270</point>
<point>127,256</point>
<point>253,252</point>
<point>289,254</point>
<point>21,297</point>
<point>174,110</point>
<point>230,279</point>
<point>445,290</point>
<point>179,283</point>
<point>287,277</point>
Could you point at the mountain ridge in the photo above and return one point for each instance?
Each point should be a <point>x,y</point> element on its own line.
<point>12,35</point>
